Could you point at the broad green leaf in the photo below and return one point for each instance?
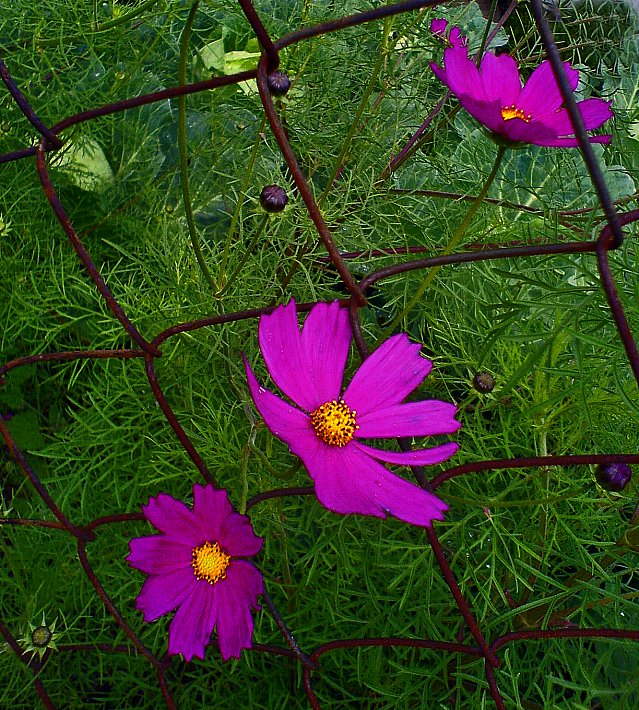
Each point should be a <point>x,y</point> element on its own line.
<point>213,56</point>
<point>85,164</point>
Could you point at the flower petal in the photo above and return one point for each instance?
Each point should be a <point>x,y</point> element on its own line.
<point>237,537</point>
<point>500,78</point>
<point>280,342</point>
<point>419,457</point>
<point>534,132</point>
<point>438,27</point>
<point>283,420</point>
<point>514,129</point>
<point>455,37</point>
<point>158,554</point>
<point>486,112</point>
<point>222,524</point>
<point>211,507</point>
<point>326,338</point>
<point>161,594</point>
<point>350,481</point>
<point>173,518</point>
<point>594,113</point>
<point>236,594</point>
<point>425,418</point>
<point>388,376</point>
<point>191,628</point>
<point>541,95</point>
<point>462,74</point>
<point>440,73</point>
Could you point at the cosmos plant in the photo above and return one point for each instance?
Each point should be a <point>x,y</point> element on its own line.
<point>325,427</point>
<point>196,565</point>
<point>493,94</point>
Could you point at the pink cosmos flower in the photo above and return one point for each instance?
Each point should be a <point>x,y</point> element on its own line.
<point>327,426</point>
<point>494,96</point>
<point>194,567</point>
<point>438,28</point>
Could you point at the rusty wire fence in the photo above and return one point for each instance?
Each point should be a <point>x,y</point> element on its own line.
<point>471,641</point>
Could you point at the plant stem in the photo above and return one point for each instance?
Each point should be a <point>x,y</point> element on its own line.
<point>282,475</point>
<point>484,39</point>
<point>454,240</point>
<point>305,247</point>
<point>339,163</point>
<point>184,167</point>
<point>238,206</point>
<point>247,252</point>
<point>126,17</point>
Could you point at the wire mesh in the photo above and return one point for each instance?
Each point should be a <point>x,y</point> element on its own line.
<point>149,350</point>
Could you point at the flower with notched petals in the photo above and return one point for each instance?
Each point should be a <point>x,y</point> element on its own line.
<point>324,426</point>
<point>196,565</point>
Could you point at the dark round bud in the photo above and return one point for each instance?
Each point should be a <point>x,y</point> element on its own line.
<point>40,636</point>
<point>273,198</point>
<point>278,83</point>
<point>613,476</point>
<point>484,382</point>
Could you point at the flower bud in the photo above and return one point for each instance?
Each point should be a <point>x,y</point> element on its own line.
<point>273,198</point>
<point>613,476</point>
<point>41,636</point>
<point>278,83</point>
<point>484,382</point>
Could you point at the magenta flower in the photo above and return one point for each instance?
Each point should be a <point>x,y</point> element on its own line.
<point>326,431</point>
<point>494,96</point>
<point>194,567</point>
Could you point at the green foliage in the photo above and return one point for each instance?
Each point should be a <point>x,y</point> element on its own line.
<point>548,538</point>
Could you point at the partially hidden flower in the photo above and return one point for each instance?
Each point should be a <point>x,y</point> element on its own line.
<point>195,565</point>
<point>613,476</point>
<point>493,94</point>
<point>326,427</point>
<point>453,37</point>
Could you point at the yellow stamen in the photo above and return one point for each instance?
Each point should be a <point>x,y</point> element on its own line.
<point>334,422</point>
<point>209,562</point>
<point>510,112</point>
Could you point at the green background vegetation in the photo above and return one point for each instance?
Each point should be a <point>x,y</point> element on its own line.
<point>95,435</point>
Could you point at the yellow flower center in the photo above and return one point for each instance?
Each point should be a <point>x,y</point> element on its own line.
<point>334,422</point>
<point>510,112</point>
<point>209,562</point>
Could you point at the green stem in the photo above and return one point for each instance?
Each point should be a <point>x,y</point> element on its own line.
<point>126,17</point>
<point>238,207</point>
<point>388,170</point>
<point>362,106</point>
<point>454,240</point>
<point>140,59</point>
<point>484,39</point>
<point>282,475</point>
<point>244,457</point>
<point>247,252</point>
<point>528,503</point>
<point>304,248</point>
<point>184,167</point>
<point>97,27</point>
<point>300,252</point>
